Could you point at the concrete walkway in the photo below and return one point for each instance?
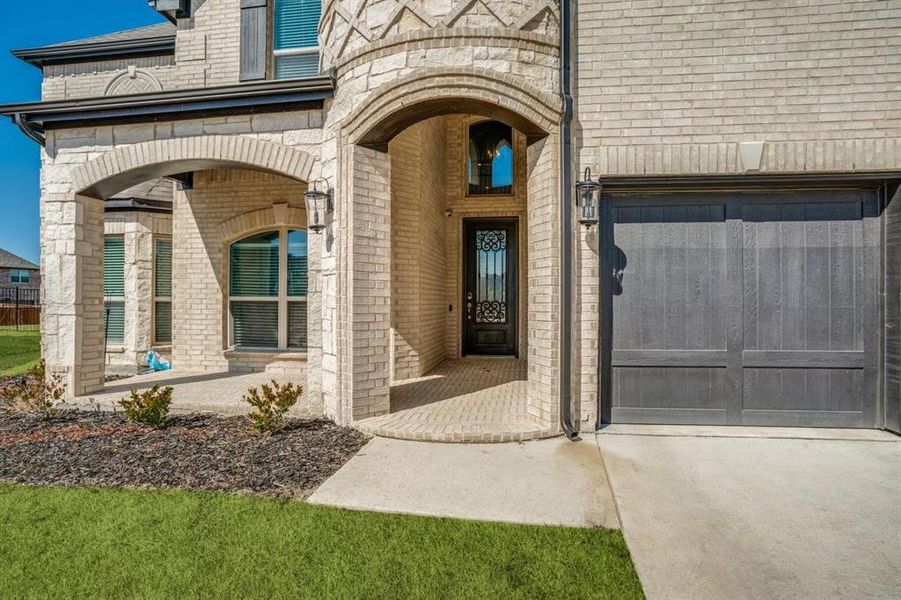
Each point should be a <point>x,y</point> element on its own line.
<point>707,516</point>
<point>553,482</point>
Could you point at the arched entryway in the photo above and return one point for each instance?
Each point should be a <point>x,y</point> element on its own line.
<point>232,186</point>
<point>412,274</point>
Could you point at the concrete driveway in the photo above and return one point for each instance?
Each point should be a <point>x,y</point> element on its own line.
<point>707,516</point>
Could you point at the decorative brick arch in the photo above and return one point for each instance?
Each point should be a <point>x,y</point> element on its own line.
<point>124,167</point>
<point>433,92</point>
<point>263,219</point>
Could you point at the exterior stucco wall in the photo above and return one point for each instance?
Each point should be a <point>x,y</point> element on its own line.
<point>139,231</point>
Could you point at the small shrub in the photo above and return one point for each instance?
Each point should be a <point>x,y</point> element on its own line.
<point>271,405</point>
<point>36,392</point>
<point>148,408</point>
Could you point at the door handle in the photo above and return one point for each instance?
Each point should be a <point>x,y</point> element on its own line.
<point>618,275</point>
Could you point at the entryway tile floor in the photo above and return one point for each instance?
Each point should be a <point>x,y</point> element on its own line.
<point>465,400</point>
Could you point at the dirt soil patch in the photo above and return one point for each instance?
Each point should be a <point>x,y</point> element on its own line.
<point>197,452</point>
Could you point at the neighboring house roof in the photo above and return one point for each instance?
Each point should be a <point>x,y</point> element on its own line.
<point>8,260</point>
<point>152,39</point>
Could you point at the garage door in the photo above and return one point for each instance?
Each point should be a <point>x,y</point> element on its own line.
<point>744,308</point>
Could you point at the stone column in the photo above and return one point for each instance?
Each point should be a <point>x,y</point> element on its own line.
<point>72,289</point>
<point>544,280</point>
<point>364,303</point>
<point>138,291</point>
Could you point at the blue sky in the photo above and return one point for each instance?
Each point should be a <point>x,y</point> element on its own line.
<point>24,25</point>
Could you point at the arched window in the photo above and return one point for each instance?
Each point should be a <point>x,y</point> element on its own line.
<point>268,291</point>
<point>490,163</point>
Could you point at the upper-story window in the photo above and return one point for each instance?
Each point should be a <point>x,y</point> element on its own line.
<point>295,38</point>
<point>490,163</point>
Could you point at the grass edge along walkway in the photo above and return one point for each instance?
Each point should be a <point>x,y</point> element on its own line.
<point>113,543</point>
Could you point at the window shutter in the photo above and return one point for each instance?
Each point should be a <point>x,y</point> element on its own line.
<point>254,40</point>
<point>114,266</point>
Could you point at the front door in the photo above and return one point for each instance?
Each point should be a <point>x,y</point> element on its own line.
<point>489,286</point>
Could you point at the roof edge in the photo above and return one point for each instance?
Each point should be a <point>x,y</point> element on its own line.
<point>76,52</point>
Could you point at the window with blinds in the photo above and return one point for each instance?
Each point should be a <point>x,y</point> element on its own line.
<point>295,38</point>
<point>162,291</point>
<point>268,291</point>
<point>114,288</point>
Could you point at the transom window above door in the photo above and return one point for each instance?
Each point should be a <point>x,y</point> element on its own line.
<point>489,168</point>
<point>268,291</point>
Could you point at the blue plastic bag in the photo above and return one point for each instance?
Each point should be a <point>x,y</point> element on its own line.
<point>157,362</point>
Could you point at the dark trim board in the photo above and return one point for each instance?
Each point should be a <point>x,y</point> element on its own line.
<point>75,53</point>
<point>307,93</point>
<point>722,286</point>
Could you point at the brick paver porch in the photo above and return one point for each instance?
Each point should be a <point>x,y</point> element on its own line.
<point>466,400</point>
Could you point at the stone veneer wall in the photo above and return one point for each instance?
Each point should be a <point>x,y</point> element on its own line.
<point>139,230</point>
<point>418,260</point>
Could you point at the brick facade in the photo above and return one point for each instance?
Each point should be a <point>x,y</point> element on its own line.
<point>662,88</point>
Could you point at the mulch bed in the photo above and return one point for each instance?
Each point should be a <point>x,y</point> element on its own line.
<point>197,452</point>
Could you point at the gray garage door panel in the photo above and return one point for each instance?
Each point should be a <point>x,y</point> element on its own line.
<point>754,309</point>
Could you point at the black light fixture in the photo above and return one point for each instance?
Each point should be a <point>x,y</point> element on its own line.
<point>319,204</point>
<point>588,196</point>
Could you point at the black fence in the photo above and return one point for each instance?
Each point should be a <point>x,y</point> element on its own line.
<point>20,308</point>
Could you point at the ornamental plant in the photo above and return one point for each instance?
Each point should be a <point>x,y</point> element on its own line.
<point>148,408</point>
<point>36,392</point>
<point>272,403</point>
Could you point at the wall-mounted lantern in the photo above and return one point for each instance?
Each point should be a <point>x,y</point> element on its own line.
<point>319,204</point>
<point>588,195</point>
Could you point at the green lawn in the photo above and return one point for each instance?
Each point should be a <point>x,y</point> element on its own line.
<point>19,350</point>
<point>167,544</point>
